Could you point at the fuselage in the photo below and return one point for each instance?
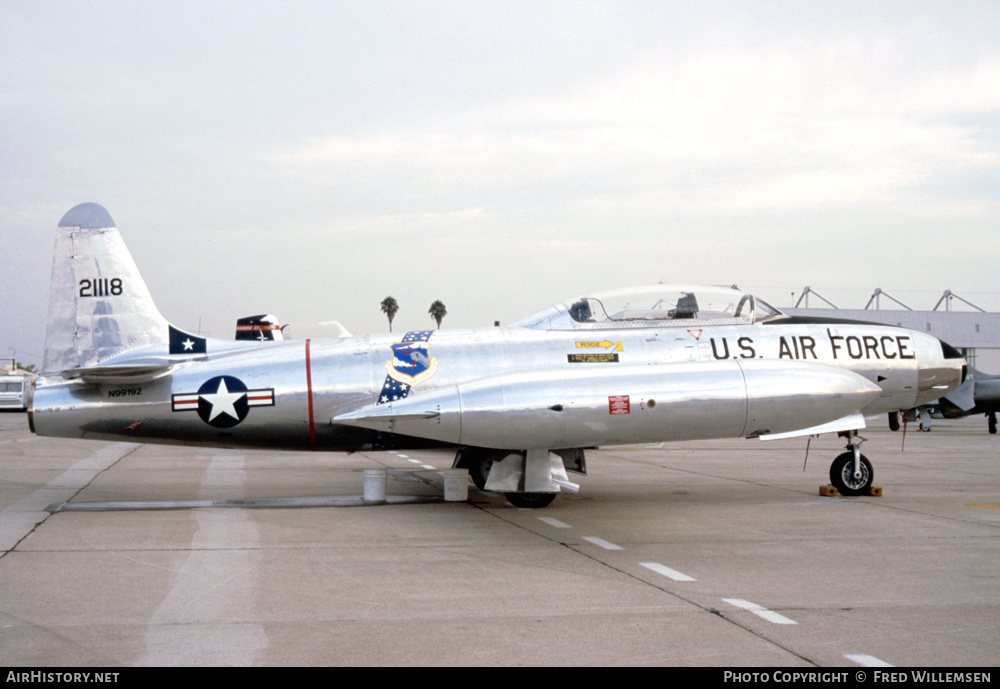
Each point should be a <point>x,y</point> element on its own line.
<point>302,394</point>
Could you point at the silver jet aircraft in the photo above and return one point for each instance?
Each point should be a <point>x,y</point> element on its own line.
<point>520,403</point>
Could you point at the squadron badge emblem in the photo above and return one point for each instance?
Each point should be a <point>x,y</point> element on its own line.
<point>410,364</point>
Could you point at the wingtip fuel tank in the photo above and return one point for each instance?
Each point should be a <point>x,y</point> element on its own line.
<point>564,407</point>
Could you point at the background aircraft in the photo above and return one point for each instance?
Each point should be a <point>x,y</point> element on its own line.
<point>521,403</point>
<point>978,394</point>
<point>260,328</point>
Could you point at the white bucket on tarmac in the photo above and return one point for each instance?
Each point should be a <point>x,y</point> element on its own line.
<point>375,485</point>
<point>456,485</point>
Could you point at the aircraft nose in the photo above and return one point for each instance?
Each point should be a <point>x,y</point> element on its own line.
<point>955,358</point>
<point>942,370</point>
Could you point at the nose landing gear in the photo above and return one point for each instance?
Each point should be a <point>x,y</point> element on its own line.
<point>851,473</point>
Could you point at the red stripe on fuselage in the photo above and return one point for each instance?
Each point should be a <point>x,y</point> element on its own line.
<point>309,391</point>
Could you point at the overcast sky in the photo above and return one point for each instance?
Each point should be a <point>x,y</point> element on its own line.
<point>310,158</point>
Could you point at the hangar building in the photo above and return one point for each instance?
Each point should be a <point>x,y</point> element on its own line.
<point>975,332</point>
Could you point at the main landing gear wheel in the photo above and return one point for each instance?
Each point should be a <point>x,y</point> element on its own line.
<point>843,479</point>
<point>530,500</point>
<point>479,461</point>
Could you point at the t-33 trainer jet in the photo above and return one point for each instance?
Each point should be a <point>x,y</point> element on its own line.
<point>519,403</point>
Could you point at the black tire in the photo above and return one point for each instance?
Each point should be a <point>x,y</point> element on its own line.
<point>893,421</point>
<point>530,500</point>
<point>992,420</point>
<point>842,475</point>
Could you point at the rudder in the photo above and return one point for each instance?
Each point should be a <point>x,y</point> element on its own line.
<point>99,305</point>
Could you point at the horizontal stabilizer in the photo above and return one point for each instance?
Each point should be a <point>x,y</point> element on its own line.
<point>122,374</point>
<point>854,422</point>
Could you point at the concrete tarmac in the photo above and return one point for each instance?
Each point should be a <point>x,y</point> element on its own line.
<point>715,553</point>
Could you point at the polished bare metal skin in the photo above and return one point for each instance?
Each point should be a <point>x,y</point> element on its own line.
<point>651,365</point>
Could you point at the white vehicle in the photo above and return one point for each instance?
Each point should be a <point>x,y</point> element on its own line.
<point>14,392</point>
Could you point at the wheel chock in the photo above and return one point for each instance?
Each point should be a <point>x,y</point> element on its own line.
<point>831,491</point>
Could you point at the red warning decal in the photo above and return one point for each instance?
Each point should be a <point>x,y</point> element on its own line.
<point>619,404</point>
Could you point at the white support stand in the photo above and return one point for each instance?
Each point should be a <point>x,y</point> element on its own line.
<point>535,471</point>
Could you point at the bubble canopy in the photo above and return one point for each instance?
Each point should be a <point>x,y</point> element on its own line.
<point>656,306</point>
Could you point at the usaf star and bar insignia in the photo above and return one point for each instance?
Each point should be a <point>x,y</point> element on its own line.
<point>223,401</point>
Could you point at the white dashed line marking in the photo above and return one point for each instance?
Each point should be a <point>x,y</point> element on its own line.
<point>760,611</point>
<point>666,571</point>
<point>555,522</point>
<point>866,660</point>
<point>602,543</point>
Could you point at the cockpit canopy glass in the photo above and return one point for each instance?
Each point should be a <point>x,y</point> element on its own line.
<point>658,306</point>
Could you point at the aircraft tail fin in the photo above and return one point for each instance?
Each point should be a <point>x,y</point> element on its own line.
<point>99,305</point>
<point>259,328</point>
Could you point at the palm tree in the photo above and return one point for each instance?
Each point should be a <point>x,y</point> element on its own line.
<point>389,308</point>
<point>438,311</point>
